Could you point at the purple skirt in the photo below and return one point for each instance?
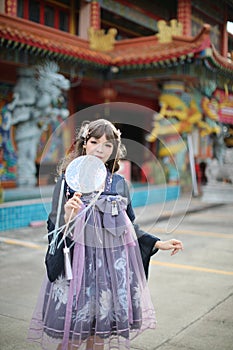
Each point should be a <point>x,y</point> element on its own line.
<point>107,303</point>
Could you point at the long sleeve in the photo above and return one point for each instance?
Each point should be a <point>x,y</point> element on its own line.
<point>146,241</point>
<point>55,262</point>
<point>53,214</point>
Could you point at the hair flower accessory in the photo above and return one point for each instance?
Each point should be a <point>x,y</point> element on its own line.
<point>118,132</point>
<point>85,131</point>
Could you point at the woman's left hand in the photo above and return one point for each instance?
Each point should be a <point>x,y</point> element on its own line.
<point>171,244</point>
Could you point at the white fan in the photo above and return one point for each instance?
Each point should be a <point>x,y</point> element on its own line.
<point>86,174</point>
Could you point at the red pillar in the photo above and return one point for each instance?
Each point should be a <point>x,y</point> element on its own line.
<point>184,15</point>
<point>11,7</point>
<point>95,14</point>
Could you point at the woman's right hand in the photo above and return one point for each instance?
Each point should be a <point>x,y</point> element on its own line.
<point>72,207</point>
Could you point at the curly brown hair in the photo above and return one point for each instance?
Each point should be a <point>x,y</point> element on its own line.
<point>97,129</point>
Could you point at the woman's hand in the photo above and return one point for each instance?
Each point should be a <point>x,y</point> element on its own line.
<point>171,244</point>
<point>72,207</point>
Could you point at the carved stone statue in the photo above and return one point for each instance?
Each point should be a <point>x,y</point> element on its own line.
<point>35,105</point>
<point>221,172</point>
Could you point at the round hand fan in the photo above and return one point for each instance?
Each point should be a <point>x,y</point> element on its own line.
<point>86,174</point>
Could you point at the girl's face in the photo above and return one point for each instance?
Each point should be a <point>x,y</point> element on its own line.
<point>100,148</point>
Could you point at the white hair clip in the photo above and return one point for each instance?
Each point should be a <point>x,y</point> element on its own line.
<point>118,134</point>
<point>85,131</point>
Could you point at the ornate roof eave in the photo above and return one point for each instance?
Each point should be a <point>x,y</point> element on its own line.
<point>144,53</point>
<point>20,34</point>
<point>148,52</point>
<point>214,61</point>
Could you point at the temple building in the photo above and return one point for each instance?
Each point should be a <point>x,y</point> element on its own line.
<point>169,62</point>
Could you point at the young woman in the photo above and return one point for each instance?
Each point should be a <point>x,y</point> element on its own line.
<point>107,302</point>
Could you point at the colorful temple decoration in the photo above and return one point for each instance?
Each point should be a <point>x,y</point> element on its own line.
<point>144,54</point>
<point>101,41</point>
<point>226,112</point>
<point>183,113</point>
<point>184,16</point>
<point>8,158</point>
<point>167,31</point>
<point>171,119</point>
<point>95,15</point>
<point>11,7</point>
<point>183,55</point>
<point>225,105</point>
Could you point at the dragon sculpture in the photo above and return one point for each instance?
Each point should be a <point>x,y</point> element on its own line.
<point>36,103</point>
